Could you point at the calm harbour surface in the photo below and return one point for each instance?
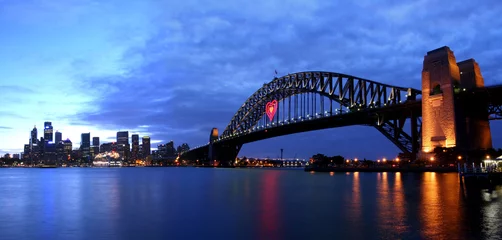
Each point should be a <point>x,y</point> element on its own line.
<point>207,203</point>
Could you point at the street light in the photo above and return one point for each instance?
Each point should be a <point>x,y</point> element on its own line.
<point>432,158</point>
<point>355,159</point>
<point>487,156</point>
<point>459,157</point>
<point>397,159</point>
<point>347,160</point>
<point>384,160</point>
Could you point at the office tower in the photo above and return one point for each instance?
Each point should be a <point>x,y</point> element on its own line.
<point>26,149</point>
<point>170,150</point>
<point>34,136</point>
<point>95,146</point>
<point>67,146</point>
<point>48,131</point>
<point>135,147</point>
<point>146,146</point>
<point>50,153</point>
<point>85,146</point>
<point>60,151</point>
<point>123,137</point>
<point>59,137</point>
<point>123,144</point>
<point>95,141</point>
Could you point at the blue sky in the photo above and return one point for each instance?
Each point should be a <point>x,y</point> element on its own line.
<point>175,69</point>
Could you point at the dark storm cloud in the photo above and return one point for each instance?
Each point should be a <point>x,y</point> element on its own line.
<point>202,63</point>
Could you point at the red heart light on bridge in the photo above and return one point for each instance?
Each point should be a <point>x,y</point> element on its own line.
<point>270,109</point>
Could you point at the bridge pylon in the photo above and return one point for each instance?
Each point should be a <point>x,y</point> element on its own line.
<point>222,154</point>
<point>445,121</point>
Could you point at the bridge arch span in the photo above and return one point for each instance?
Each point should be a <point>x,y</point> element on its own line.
<point>347,93</point>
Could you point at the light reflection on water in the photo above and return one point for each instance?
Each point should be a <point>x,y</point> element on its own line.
<point>202,203</point>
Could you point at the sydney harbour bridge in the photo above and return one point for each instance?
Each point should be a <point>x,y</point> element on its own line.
<point>453,109</point>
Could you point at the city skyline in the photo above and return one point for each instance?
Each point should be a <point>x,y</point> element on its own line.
<point>155,70</point>
<point>57,136</point>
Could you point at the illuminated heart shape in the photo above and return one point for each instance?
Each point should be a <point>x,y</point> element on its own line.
<point>270,109</point>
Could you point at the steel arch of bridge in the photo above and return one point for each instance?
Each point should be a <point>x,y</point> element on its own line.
<point>351,93</point>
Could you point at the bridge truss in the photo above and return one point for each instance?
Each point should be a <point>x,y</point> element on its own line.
<point>309,96</point>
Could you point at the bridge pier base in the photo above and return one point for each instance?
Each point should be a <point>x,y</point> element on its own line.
<point>224,155</point>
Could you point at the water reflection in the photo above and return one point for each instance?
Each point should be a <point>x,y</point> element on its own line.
<point>270,220</point>
<point>168,203</point>
<point>440,206</point>
<point>356,198</point>
<point>399,204</point>
<point>492,213</point>
<point>384,204</point>
<point>355,206</point>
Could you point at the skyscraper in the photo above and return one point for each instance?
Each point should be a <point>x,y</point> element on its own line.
<point>135,147</point>
<point>67,149</point>
<point>59,137</point>
<point>95,146</point>
<point>146,146</point>
<point>48,132</point>
<point>85,146</point>
<point>123,144</point>
<point>34,135</point>
<point>95,141</point>
<point>170,150</point>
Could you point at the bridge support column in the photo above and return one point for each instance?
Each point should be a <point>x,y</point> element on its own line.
<point>448,121</point>
<point>226,154</point>
<point>474,126</point>
<point>211,152</point>
<point>440,75</point>
<point>415,141</point>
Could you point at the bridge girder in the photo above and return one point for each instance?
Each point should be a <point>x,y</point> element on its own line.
<point>495,112</point>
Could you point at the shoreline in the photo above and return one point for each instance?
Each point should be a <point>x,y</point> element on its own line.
<point>383,169</point>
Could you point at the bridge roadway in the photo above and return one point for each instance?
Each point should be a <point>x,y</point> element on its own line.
<point>367,117</point>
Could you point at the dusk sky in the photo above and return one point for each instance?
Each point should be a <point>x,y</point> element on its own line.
<point>175,69</point>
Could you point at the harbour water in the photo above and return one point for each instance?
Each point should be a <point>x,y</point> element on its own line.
<point>205,203</point>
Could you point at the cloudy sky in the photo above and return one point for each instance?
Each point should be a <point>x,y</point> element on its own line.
<point>175,69</point>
